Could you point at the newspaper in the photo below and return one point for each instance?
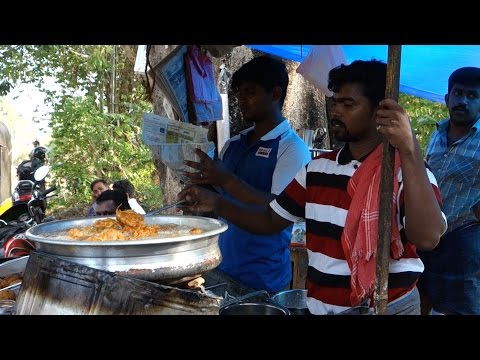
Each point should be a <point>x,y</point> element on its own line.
<point>158,130</point>
<point>172,142</point>
<point>171,78</point>
<point>173,155</point>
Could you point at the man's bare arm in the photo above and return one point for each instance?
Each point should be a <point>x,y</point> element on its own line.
<point>260,219</point>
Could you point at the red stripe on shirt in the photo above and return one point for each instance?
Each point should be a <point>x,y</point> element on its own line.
<point>329,295</point>
<point>296,193</point>
<point>329,196</point>
<point>325,245</point>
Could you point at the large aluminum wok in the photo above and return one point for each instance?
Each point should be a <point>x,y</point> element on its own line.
<point>166,260</point>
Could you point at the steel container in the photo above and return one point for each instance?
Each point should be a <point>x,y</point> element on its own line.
<point>253,309</point>
<point>294,300</point>
<point>166,260</point>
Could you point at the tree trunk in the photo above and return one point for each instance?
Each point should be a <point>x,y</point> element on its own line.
<point>169,185</point>
<point>304,105</point>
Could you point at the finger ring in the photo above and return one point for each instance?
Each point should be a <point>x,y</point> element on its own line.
<point>378,127</point>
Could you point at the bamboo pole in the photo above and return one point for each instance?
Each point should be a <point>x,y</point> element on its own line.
<point>380,296</point>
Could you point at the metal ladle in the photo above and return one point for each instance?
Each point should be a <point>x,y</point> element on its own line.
<point>165,207</point>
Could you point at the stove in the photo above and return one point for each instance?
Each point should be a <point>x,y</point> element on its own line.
<point>53,286</point>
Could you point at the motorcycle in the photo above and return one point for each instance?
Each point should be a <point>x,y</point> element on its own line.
<point>24,209</point>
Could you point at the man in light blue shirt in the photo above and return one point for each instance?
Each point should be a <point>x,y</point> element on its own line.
<point>451,280</point>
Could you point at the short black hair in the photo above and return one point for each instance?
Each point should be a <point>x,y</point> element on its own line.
<point>265,71</point>
<point>118,197</point>
<point>92,184</point>
<point>469,76</point>
<point>125,186</point>
<point>36,142</point>
<point>371,74</point>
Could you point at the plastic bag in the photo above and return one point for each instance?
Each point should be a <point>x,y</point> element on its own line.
<point>320,60</point>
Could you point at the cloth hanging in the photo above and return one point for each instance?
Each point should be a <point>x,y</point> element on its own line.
<point>205,103</point>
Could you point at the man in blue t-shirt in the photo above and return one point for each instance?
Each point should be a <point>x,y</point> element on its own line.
<point>255,166</point>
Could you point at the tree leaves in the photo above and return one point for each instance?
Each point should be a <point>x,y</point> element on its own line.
<point>88,142</point>
<point>5,87</point>
<point>424,114</point>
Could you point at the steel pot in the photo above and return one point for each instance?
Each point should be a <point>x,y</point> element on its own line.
<point>259,303</point>
<point>165,260</point>
<point>294,300</point>
<point>253,309</point>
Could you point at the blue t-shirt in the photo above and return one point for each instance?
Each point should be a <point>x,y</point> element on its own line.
<point>262,261</point>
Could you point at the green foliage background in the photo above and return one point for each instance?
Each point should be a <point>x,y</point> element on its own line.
<point>424,115</point>
<point>95,134</point>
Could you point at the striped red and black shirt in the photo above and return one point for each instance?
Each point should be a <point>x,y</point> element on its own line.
<point>318,194</point>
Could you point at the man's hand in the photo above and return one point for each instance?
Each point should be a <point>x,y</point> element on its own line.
<point>209,172</point>
<point>198,199</point>
<point>393,122</point>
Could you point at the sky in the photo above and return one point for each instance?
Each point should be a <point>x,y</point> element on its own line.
<point>28,98</point>
<point>27,117</point>
<point>30,103</point>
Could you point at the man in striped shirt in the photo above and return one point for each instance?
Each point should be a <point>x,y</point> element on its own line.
<point>452,270</point>
<point>337,195</point>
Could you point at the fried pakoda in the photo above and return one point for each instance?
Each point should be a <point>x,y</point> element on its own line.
<point>10,280</point>
<point>77,234</point>
<point>108,235</point>
<point>107,224</point>
<point>142,231</point>
<point>129,218</point>
<point>196,231</point>
<point>7,295</point>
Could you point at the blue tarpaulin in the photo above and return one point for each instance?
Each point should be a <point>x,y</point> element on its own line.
<point>424,69</point>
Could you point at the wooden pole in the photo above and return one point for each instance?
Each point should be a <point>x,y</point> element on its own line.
<point>380,296</point>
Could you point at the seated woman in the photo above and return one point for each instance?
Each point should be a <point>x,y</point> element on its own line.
<point>109,201</point>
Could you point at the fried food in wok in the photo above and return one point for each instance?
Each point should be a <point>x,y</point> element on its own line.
<point>10,280</point>
<point>107,224</point>
<point>107,235</point>
<point>7,281</point>
<point>128,225</point>
<point>77,234</point>
<point>7,295</point>
<point>129,218</point>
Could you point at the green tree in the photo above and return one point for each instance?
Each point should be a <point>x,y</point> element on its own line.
<point>96,118</point>
<point>424,114</point>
